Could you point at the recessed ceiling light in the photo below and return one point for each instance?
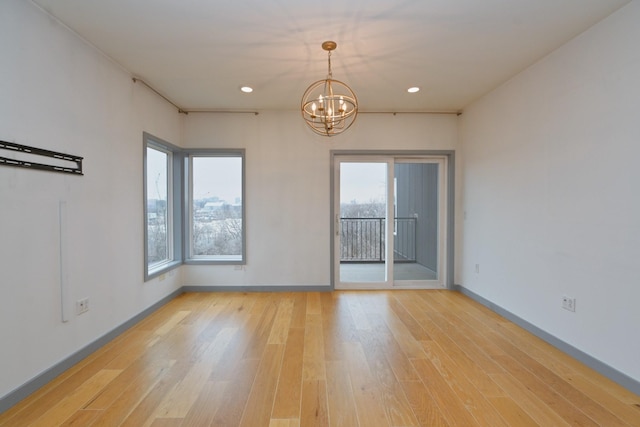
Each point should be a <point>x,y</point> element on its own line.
<point>413,89</point>
<point>246,89</point>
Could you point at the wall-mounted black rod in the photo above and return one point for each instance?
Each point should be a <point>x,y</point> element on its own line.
<point>24,163</point>
<point>180,110</point>
<point>216,111</point>
<point>457,113</point>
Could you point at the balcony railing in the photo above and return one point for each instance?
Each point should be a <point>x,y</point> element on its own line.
<point>363,239</point>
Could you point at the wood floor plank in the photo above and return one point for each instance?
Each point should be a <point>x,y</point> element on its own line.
<point>465,363</point>
<point>337,325</point>
<point>214,352</point>
<point>280,328</point>
<point>423,405</point>
<point>629,413</point>
<point>536,376</point>
<point>81,418</point>
<point>299,312</point>
<point>313,411</point>
<point>475,401</point>
<point>117,407</point>
<point>529,402</point>
<point>204,409</point>
<point>511,412</point>
<point>331,331</point>
<point>172,322</point>
<point>166,422</point>
<point>403,336</point>
<point>374,301</point>
<point>160,316</point>
<point>76,400</point>
<point>237,392</point>
<point>545,392</point>
<point>288,394</point>
<point>261,301</point>
<point>313,367</point>
<point>470,342</point>
<point>366,392</point>
<point>292,359</point>
<point>561,363</point>
<point>216,317</point>
<point>397,358</point>
<point>472,319</point>
<point>340,398</point>
<point>278,422</point>
<point>179,400</point>
<point>42,400</point>
<point>314,305</point>
<point>146,406</point>
<point>449,404</point>
<point>138,343</point>
<point>413,326</point>
<point>357,314</point>
<point>137,373</point>
<point>394,402</point>
<point>260,337</point>
<point>179,344</point>
<point>260,401</point>
<point>232,356</point>
<point>543,376</point>
<point>565,368</point>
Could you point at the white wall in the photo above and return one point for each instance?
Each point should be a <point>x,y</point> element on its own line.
<point>288,186</point>
<point>58,93</point>
<point>552,196</point>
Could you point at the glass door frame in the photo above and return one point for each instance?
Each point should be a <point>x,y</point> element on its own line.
<point>446,158</point>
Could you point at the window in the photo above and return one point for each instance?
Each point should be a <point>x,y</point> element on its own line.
<point>158,217</point>
<point>216,208</point>
<point>162,219</point>
<point>206,188</point>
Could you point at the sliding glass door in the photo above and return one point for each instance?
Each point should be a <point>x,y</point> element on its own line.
<point>361,223</point>
<point>390,222</point>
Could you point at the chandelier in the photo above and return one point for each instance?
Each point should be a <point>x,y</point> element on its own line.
<point>329,107</point>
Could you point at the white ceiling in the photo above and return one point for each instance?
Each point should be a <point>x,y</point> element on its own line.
<point>199,52</point>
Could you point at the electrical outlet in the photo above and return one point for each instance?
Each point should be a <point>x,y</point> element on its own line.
<point>569,303</point>
<point>82,305</point>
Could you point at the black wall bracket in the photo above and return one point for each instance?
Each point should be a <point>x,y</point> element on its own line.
<point>62,164</point>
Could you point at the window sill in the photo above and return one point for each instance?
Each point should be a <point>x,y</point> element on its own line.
<point>161,269</point>
<point>216,261</point>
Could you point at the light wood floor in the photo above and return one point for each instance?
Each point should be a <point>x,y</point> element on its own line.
<point>400,358</point>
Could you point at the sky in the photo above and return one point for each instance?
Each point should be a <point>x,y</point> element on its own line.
<point>217,177</point>
<point>362,182</point>
<point>156,174</point>
<point>212,177</point>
